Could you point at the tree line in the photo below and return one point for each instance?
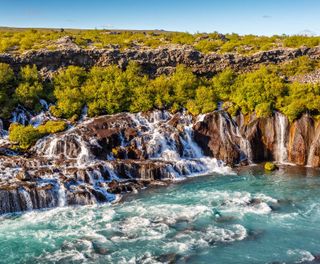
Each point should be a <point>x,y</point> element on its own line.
<point>110,90</point>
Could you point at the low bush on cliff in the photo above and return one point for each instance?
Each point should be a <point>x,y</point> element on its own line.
<point>26,136</point>
<point>300,65</point>
<point>20,40</point>
<point>258,91</point>
<point>30,88</point>
<point>110,90</point>
<point>23,136</point>
<point>52,126</point>
<point>301,98</point>
<point>7,88</point>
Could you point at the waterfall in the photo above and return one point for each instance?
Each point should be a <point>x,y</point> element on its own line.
<point>70,146</point>
<point>84,155</point>
<point>229,130</point>
<point>62,201</point>
<point>27,198</point>
<point>281,131</point>
<point>313,146</point>
<point>20,115</point>
<point>175,144</point>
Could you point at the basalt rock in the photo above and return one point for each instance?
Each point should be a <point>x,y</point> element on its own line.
<point>269,139</point>
<point>110,155</point>
<point>153,61</point>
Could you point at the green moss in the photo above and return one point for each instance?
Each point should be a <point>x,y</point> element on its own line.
<point>51,127</point>
<point>269,166</point>
<point>25,136</point>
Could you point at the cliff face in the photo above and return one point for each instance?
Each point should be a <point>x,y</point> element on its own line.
<point>154,61</point>
<point>109,155</point>
<point>261,139</point>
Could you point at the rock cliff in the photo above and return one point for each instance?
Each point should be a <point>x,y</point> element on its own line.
<point>108,155</point>
<point>154,61</point>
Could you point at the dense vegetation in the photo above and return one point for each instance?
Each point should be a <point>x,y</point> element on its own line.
<point>110,90</point>
<point>19,40</point>
<point>26,136</point>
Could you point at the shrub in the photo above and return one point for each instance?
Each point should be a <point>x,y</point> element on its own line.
<point>269,166</point>
<point>30,87</point>
<point>7,86</point>
<point>260,87</point>
<point>205,101</point>
<point>51,127</point>
<point>67,90</point>
<point>24,136</point>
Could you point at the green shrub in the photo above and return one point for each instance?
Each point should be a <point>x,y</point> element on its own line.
<point>259,87</point>
<point>51,127</point>
<point>67,90</point>
<point>30,87</point>
<point>205,101</point>
<point>23,136</point>
<point>26,136</point>
<point>269,166</point>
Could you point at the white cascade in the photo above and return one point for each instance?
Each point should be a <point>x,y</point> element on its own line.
<point>27,198</point>
<point>281,130</point>
<point>62,201</point>
<point>162,144</point>
<point>227,124</point>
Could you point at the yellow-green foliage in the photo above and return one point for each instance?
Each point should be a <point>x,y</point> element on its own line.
<point>26,136</point>
<point>204,101</point>
<point>301,65</point>
<point>51,127</point>
<point>269,166</point>
<point>7,87</point>
<point>67,90</point>
<point>112,90</point>
<point>30,87</point>
<point>252,89</point>
<point>301,98</point>
<point>19,40</point>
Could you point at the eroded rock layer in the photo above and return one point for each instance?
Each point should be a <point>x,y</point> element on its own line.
<point>102,157</point>
<point>154,61</point>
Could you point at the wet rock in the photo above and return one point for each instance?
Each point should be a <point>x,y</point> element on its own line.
<point>23,175</point>
<point>214,135</point>
<point>100,248</point>
<point>169,258</point>
<point>117,187</point>
<point>269,166</point>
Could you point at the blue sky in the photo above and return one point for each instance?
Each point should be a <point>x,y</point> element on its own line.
<point>262,17</point>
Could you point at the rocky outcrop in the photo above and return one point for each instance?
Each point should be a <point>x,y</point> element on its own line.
<point>110,155</point>
<point>99,158</point>
<point>312,77</point>
<point>265,139</point>
<point>153,61</point>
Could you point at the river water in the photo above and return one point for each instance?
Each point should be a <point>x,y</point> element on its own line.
<point>247,217</point>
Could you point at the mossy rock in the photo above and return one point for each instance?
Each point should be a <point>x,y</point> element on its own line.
<point>269,166</point>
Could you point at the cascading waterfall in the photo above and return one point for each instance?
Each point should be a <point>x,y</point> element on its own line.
<point>163,145</point>
<point>62,201</point>
<point>27,198</point>
<point>70,173</point>
<point>227,125</point>
<point>312,149</point>
<point>281,130</point>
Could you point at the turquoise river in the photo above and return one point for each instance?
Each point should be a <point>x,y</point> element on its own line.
<point>247,217</point>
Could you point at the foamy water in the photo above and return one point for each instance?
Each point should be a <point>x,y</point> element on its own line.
<point>245,218</point>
